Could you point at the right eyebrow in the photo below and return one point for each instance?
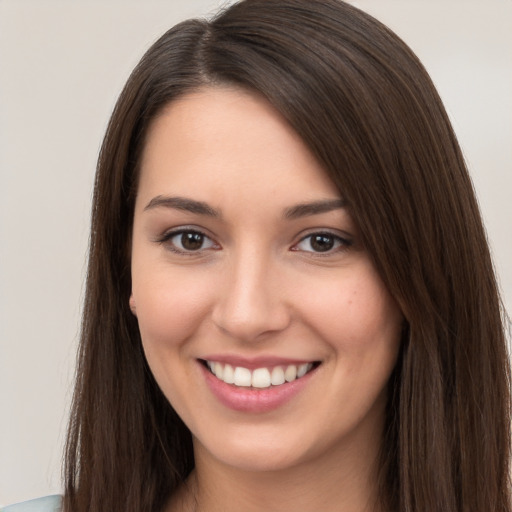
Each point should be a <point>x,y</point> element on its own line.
<point>314,208</point>
<point>183,203</point>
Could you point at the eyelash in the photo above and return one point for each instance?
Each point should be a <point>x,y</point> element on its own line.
<point>167,237</point>
<point>340,244</point>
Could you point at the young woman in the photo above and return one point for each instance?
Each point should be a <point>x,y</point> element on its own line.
<point>290,301</point>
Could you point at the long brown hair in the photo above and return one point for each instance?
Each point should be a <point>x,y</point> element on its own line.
<point>367,109</point>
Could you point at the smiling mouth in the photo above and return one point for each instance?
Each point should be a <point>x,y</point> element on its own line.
<point>259,378</point>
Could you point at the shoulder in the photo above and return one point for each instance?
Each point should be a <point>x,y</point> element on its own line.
<point>46,504</point>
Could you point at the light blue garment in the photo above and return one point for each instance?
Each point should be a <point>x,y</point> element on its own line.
<point>47,504</point>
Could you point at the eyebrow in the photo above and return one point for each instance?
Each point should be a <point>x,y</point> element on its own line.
<point>182,203</point>
<point>202,208</point>
<point>314,208</point>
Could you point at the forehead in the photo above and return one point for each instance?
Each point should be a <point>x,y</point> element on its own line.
<point>219,142</point>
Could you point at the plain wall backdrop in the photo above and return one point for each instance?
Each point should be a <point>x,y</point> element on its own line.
<point>62,65</point>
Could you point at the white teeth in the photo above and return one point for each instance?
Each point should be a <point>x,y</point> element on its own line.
<point>218,370</point>
<point>277,377</point>
<point>302,370</point>
<point>290,373</point>
<point>260,377</point>
<point>242,377</point>
<point>229,374</point>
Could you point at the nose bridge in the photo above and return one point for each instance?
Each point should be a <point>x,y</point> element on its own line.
<point>251,301</point>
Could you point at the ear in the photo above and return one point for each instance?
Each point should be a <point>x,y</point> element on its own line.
<point>133,307</point>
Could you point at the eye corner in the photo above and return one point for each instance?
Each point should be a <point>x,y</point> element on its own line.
<point>187,241</point>
<point>326,244</point>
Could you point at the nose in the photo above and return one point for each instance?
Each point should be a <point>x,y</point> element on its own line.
<point>251,303</point>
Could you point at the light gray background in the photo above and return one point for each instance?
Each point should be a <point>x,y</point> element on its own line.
<point>62,65</point>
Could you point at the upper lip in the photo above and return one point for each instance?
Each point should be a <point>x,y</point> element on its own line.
<point>253,363</point>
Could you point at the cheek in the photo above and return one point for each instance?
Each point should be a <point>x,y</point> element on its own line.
<point>355,314</point>
<point>170,305</point>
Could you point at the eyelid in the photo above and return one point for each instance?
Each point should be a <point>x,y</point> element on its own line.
<point>167,236</point>
<point>345,241</point>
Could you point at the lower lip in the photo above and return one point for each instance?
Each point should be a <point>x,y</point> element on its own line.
<point>254,400</point>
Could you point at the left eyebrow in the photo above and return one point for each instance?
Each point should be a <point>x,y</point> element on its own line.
<point>183,203</point>
<point>313,208</point>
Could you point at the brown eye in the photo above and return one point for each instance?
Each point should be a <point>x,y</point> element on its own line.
<point>187,241</point>
<point>192,241</point>
<point>322,243</point>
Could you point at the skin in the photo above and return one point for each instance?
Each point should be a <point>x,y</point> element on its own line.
<point>258,287</point>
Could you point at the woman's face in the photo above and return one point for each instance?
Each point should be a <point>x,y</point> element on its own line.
<point>245,261</point>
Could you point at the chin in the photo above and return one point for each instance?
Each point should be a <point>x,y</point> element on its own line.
<point>257,460</point>
<point>263,452</point>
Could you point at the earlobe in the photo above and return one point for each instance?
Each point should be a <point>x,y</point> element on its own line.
<point>133,308</point>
